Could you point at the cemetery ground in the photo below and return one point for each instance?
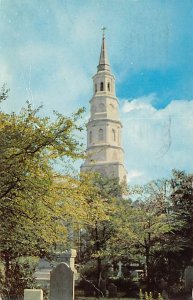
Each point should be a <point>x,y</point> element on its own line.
<point>62,284</point>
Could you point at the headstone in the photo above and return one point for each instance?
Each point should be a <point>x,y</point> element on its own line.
<point>188,278</point>
<point>112,288</point>
<point>62,283</point>
<point>33,294</point>
<point>120,274</point>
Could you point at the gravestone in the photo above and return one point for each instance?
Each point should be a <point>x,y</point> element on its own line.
<point>112,288</point>
<point>188,278</point>
<point>33,294</point>
<point>120,274</point>
<point>62,283</point>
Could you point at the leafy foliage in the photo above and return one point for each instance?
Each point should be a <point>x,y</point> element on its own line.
<point>143,228</point>
<point>29,191</point>
<point>36,203</point>
<point>3,93</point>
<point>96,235</point>
<point>20,276</point>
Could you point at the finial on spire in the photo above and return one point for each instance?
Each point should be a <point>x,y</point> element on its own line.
<point>103,29</point>
<point>103,61</point>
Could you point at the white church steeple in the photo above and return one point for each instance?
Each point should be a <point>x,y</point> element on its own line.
<point>104,152</point>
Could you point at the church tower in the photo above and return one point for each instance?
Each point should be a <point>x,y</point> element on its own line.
<point>104,152</point>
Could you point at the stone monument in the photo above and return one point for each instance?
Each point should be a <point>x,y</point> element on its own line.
<point>62,283</point>
<point>33,294</point>
<point>120,273</point>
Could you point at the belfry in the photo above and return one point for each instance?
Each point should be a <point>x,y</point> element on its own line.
<point>104,152</point>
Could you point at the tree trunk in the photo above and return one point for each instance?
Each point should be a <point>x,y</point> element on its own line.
<point>147,268</point>
<point>7,276</point>
<point>99,263</point>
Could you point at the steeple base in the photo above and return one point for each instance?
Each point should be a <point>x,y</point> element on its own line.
<point>111,170</point>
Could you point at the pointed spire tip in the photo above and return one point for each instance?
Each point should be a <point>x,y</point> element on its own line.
<point>103,29</point>
<point>103,61</point>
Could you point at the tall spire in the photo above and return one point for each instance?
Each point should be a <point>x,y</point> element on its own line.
<point>103,61</point>
<point>104,152</point>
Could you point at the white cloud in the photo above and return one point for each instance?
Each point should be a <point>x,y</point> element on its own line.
<point>157,141</point>
<point>142,103</point>
<point>132,175</point>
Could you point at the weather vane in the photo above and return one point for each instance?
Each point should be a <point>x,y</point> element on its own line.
<point>103,29</point>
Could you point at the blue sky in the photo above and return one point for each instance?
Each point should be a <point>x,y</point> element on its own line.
<point>49,51</point>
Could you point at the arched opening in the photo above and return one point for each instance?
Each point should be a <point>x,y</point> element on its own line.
<point>100,135</point>
<point>102,86</point>
<point>108,87</point>
<point>114,135</point>
<point>90,137</point>
<point>95,87</point>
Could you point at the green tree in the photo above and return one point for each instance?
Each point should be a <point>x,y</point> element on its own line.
<point>181,203</point>
<point>33,206</point>
<point>39,207</point>
<point>21,276</point>
<point>173,259</point>
<point>95,236</point>
<point>142,227</point>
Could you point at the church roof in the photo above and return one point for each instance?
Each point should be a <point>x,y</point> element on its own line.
<point>104,60</point>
